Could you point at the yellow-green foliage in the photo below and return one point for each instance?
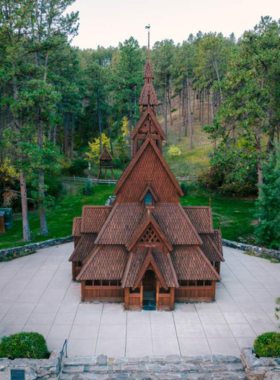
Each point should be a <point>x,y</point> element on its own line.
<point>174,151</point>
<point>94,153</point>
<point>7,171</point>
<point>125,128</point>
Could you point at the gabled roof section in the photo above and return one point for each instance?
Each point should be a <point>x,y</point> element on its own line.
<point>133,162</point>
<point>93,218</point>
<point>148,221</point>
<point>149,260</point>
<point>201,218</point>
<point>140,123</point>
<point>106,156</point>
<point>104,263</point>
<point>210,249</point>
<point>135,264</point>
<point>83,248</point>
<point>176,224</point>
<point>76,229</point>
<point>125,218</point>
<point>150,189</point>
<point>190,263</point>
<point>166,267</point>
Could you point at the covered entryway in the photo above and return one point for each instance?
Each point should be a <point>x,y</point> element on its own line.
<point>149,290</point>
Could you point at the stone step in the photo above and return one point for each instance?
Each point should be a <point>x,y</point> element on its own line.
<point>157,376</point>
<point>209,367</point>
<point>153,367</point>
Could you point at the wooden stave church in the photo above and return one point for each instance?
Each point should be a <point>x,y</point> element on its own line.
<point>146,241</point>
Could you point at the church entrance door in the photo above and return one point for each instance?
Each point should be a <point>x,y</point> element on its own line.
<point>149,290</point>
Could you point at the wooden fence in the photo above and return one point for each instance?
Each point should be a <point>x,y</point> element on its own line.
<point>115,181</point>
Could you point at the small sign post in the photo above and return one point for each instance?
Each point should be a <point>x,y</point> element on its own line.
<point>17,374</point>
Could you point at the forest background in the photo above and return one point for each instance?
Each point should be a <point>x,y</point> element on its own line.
<point>219,105</point>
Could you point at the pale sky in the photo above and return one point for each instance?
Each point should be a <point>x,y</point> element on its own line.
<point>108,22</point>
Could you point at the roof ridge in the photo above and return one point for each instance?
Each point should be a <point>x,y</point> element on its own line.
<point>106,222</point>
<point>189,221</point>
<point>88,261</point>
<point>140,229</point>
<point>209,264</point>
<point>140,123</point>
<point>149,259</point>
<point>214,245</point>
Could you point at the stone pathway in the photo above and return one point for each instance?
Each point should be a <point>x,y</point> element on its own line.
<point>37,294</point>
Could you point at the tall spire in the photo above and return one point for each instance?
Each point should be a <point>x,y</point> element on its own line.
<point>148,96</point>
<point>148,27</point>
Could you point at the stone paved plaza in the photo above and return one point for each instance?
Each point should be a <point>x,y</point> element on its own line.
<point>37,294</point>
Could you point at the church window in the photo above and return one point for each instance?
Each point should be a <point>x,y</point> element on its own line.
<point>148,200</point>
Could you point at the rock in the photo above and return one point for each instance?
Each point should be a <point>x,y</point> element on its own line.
<point>101,360</point>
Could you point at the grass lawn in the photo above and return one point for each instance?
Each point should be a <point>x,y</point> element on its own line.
<point>236,215</point>
<point>60,217</point>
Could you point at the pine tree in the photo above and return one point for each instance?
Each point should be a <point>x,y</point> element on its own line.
<point>268,203</point>
<point>88,190</point>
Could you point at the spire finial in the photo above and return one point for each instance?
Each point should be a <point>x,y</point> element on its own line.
<point>148,27</point>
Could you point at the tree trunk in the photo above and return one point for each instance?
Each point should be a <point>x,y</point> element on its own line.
<point>72,136</point>
<point>169,104</point>
<point>99,125</point>
<point>165,106</point>
<point>130,127</point>
<point>202,109</point>
<point>213,115</point>
<point>24,208</point>
<point>215,63</point>
<point>190,114</point>
<point>208,107</point>
<point>110,136</point>
<point>42,210</point>
<point>66,134</point>
<point>259,152</point>
<point>179,114</point>
<point>24,204</point>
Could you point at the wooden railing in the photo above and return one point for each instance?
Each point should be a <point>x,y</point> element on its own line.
<point>115,181</point>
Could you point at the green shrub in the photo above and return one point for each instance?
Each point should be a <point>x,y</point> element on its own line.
<point>77,168</point>
<point>184,188</point>
<point>88,189</point>
<point>24,345</point>
<point>267,345</point>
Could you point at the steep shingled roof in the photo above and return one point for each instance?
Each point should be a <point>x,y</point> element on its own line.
<point>210,249</point>
<point>105,263</point>
<point>148,95</point>
<point>201,218</point>
<point>126,217</point>
<point>190,263</point>
<point>148,141</point>
<point>76,229</point>
<point>83,248</point>
<point>106,156</point>
<point>93,218</point>
<point>148,70</point>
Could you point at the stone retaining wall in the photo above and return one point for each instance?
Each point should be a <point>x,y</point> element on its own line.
<point>42,369</point>
<point>252,248</point>
<point>210,367</point>
<point>260,368</point>
<point>29,248</point>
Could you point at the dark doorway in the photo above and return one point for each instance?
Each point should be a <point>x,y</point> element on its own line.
<point>149,290</point>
